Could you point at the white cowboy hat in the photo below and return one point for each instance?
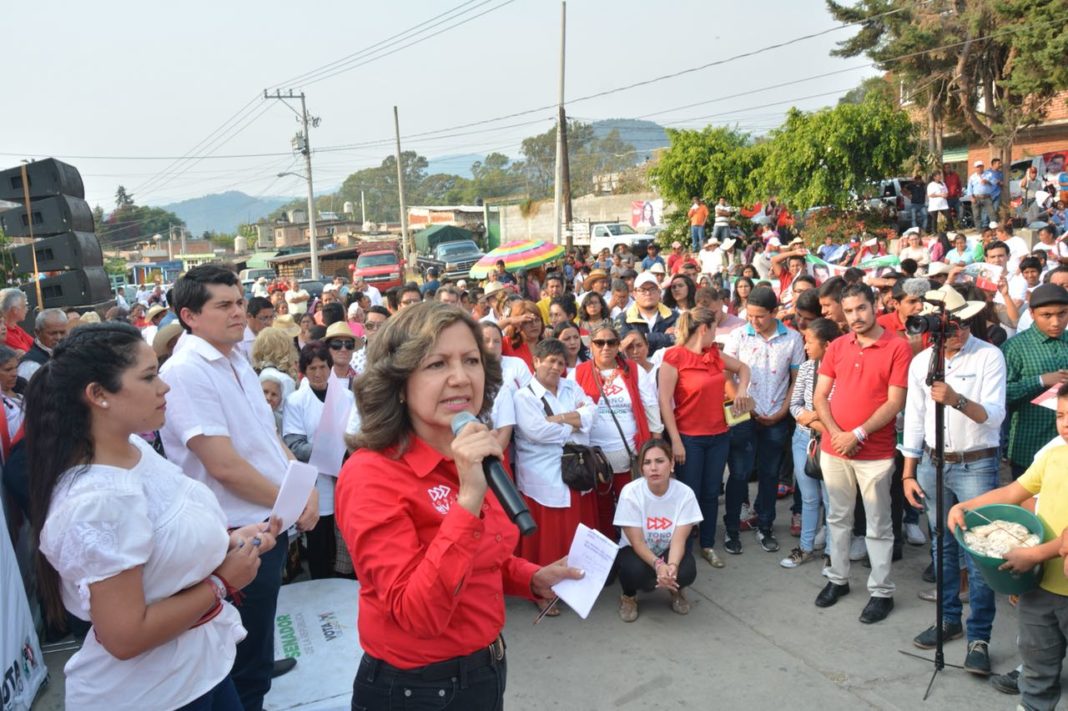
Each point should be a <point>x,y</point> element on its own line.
<point>953,303</point>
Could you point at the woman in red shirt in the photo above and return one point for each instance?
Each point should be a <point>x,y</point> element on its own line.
<point>432,551</point>
<point>692,376</point>
<point>521,338</point>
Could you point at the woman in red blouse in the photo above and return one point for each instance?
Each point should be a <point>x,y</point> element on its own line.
<point>521,337</point>
<point>432,551</point>
<point>692,377</point>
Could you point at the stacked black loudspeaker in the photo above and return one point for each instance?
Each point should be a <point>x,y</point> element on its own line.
<point>61,224</point>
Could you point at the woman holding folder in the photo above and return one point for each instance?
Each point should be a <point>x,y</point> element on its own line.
<point>433,552</point>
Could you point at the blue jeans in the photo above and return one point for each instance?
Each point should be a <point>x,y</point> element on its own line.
<point>761,446</point>
<point>255,654</point>
<point>222,698</point>
<point>706,457</point>
<point>809,488</point>
<point>697,236</point>
<point>918,214</point>
<point>961,482</point>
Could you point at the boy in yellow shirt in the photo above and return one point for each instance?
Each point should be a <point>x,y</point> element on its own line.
<point>1043,613</point>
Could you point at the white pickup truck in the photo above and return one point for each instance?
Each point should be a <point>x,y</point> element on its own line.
<point>611,235</point>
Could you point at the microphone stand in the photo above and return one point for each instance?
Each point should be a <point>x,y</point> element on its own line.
<point>936,372</point>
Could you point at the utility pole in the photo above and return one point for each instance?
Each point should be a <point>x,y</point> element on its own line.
<point>565,179</point>
<point>302,143</point>
<point>558,182</point>
<point>400,195</point>
<point>363,210</point>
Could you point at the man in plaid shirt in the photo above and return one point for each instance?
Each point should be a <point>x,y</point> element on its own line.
<point>1035,360</point>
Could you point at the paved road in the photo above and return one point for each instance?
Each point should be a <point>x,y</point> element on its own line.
<point>753,640</point>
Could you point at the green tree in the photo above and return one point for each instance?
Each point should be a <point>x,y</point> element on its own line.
<point>443,189</point>
<point>115,266</point>
<point>123,198</point>
<point>831,156</point>
<point>993,67</point>
<point>131,223</point>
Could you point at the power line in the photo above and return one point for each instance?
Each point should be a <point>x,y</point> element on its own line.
<point>363,52</point>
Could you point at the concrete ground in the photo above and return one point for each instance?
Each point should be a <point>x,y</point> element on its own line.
<point>754,640</point>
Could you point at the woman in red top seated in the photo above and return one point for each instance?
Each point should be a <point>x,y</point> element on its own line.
<point>432,551</point>
<point>521,338</point>
<point>13,306</point>
<point>692,376</point>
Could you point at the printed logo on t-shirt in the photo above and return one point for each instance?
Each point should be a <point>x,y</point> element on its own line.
<point>439,496</point>
<point>658,523</point>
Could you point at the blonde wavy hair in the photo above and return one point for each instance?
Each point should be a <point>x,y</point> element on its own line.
<point>274,349</point>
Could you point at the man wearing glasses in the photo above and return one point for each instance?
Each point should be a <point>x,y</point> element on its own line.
<point>374,320</point>
<point>973,392</point>
<point>259,314</point>
<point>648,315</point>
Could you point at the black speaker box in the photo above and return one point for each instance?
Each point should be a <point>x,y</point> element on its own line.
<point>71,250</point>
<point>83,287</point>
<point>46,177</point>
<point>51,216</point>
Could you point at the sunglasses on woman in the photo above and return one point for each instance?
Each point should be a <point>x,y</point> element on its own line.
<point>605,342</point>
<point>346,343</point>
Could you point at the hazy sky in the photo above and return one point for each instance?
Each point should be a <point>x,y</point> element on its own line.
<point>120,89</point>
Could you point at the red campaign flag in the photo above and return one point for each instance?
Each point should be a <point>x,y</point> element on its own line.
<point>755,210</point>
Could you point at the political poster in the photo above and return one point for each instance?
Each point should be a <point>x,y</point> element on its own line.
<point>22,667</point>
<point>316,624</point>
<point>646,213</point>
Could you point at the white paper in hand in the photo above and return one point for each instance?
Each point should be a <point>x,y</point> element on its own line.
<point>294,492</point>
<point>594,554</point>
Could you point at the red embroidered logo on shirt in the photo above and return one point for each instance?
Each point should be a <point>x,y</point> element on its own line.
<point>439,496</point>
<point>657,523</point>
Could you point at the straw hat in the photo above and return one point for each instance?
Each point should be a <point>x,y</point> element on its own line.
<point>595,276</point>
<point>165,338</point>
<point>155,311</point>
<point>286,324</point>
<point>953,303</point>
<point>492,288</point>
<point>339,329</point>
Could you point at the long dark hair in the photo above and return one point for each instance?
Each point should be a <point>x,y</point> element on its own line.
<point>59,423</point>
<point>688,301</point>
<point>736,301</point>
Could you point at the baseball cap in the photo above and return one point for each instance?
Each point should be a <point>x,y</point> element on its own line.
<point>977,163</point>
<point>645,278</point>
<point>657,268</point>
<point>1048,294</point>
<point>993,225</point>
<point>676,244</point>
<point>911,231</point>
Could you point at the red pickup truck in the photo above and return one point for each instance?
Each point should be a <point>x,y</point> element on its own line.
<point>380,268</point>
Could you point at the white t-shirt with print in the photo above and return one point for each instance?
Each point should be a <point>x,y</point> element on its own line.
<point>656,515</point>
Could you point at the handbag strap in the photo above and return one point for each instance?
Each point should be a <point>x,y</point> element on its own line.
<point>600,386</point>
<point>544,403</point>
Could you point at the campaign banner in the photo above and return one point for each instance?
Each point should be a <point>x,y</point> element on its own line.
<point>986,276</point>
<point>646,213</point>
<point>315,623</point>
<point>22,667</point>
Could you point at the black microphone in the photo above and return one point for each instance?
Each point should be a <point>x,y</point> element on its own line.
<point>499,483</point>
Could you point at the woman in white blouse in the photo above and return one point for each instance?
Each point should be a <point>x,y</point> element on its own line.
<point>551,411</point>
<point>9,376</point>
<point>130,543</point>
<point>301,417</point>
<point>656,514</point>
<point>937,202</point>
<point>515,375</point>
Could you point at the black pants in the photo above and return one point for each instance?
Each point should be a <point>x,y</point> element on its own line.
<point>255,654</point>
<point>377,688</point>
<point>321,548</point>
<point>635,574</point>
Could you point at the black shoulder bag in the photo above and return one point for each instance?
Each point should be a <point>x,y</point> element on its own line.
<point>581,467</point>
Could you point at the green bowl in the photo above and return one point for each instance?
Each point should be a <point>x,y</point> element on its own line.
<point>1004,581</point>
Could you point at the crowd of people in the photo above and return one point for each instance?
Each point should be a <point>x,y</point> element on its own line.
<point>683,377</point>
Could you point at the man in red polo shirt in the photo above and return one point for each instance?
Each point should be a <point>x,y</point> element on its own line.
<point>869,367</point>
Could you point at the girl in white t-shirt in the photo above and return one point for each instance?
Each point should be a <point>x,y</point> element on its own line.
<point>129,543</point>
<point>656,514</point>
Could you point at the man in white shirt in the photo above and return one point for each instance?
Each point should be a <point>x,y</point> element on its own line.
<point>49,328</point>
<point>259,315</point>
<point>221,431</point>
<point>359,284</point>
<point>1018,248</point>
<point>721,229</point>
<point>297,299</point>
<point>973,393</point>
<point>711,257</point>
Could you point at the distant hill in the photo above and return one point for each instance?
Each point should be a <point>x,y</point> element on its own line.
<point>223,212</point>
<point>643,135</point>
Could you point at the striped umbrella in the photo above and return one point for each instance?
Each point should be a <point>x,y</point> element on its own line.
<point>520,254</point>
